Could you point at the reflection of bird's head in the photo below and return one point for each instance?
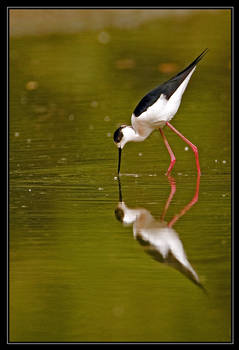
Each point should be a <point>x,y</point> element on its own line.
<point>125,215</point>
<point>119,214</point>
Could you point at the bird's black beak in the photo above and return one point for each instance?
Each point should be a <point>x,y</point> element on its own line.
<point>119,161</point>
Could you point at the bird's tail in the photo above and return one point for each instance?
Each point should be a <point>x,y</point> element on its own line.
<point>193,64</point>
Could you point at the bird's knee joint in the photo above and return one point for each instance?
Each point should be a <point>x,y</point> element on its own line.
<point>195,149</point>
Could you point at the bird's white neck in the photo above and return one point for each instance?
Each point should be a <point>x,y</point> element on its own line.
<point>131,135</point>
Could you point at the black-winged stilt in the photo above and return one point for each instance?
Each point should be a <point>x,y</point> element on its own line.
<point>155,110</point>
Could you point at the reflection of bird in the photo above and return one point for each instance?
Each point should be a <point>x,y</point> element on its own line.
<point>159,239</point>
<point>155,110</point>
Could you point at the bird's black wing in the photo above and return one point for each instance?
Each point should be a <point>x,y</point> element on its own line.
<point>167,88</point>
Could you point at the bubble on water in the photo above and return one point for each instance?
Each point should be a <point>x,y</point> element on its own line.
<point>71,117</point>
<point>104,37</point>
<point>94,104</point>
<point>224,161</point>
<point>216,161</point>
<point>186,148</point>
<point>115,178</point>
<point>108,134</point>
<point>17,134</point>
<point>100,188</point>
<point>31,85</point>
<point>29,189</point>
<point>140,154</point>
<point>106,118</point>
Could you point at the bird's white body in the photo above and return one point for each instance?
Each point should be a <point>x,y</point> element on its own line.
<point>162,111</point>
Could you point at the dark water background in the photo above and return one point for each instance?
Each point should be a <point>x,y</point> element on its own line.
<point>77,273</point>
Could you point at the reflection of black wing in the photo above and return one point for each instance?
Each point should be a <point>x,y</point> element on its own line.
<point>167,88</point>
<point>170,261</point>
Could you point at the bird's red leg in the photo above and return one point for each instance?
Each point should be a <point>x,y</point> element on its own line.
<point>172,192</point>
<point>172,156</point>
<point>194,148</point>
<point>189,205</point>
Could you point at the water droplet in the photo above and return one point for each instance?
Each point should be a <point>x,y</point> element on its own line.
<point>140,154</point>
<point>71,117</point>
<point>100,188</point>
<point>17,134</point>
<point>103,37</point>
<point>224,161</point>
<point>94,104</point>
<point>31,85</point>
<point>186,148</point>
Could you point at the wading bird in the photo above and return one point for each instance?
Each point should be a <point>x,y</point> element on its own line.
<point>155,110</point>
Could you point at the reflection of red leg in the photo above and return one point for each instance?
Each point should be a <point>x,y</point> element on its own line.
<point>172,156</point>
<point>173,190</point>
<point>194,148</point>
<point>189,205</point>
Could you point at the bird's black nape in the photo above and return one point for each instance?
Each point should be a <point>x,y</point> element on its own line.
<point>118,134</point>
